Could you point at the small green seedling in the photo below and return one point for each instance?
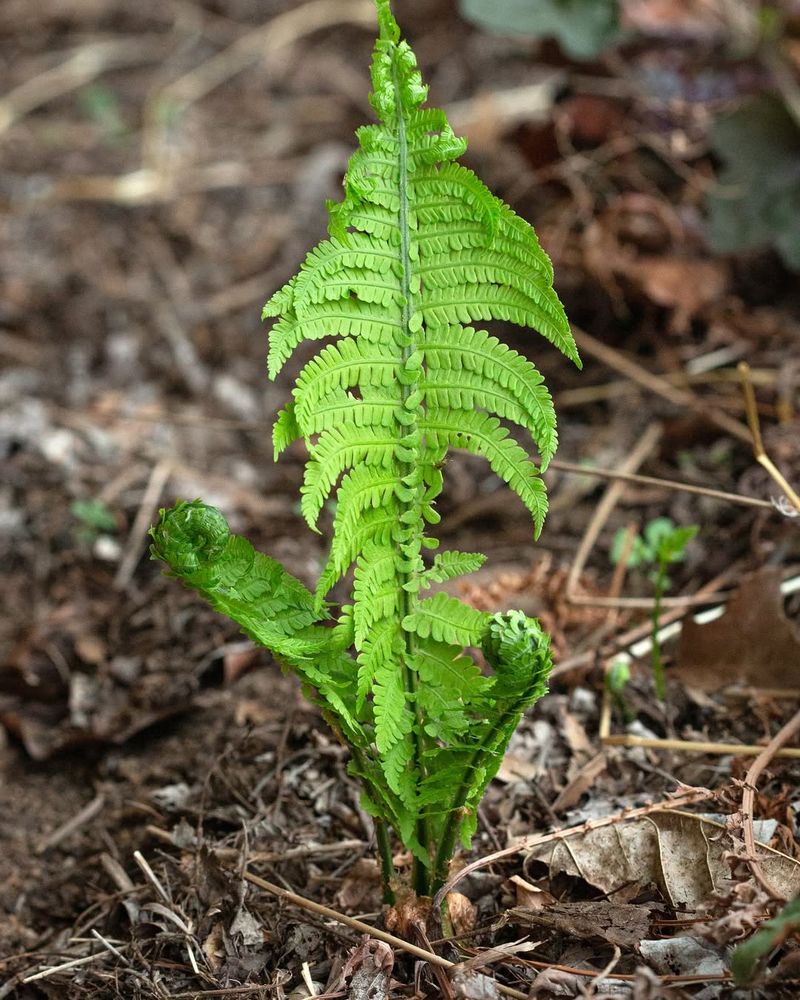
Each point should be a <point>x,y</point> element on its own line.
<point>617,679</point>
<point>423,689</point>
<point>93,518</point>
<point>661,544</point>
<point>749,958</point>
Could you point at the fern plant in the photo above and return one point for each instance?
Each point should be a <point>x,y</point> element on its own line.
<point>419,250</point>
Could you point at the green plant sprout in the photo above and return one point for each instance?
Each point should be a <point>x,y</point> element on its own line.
<point>661,544</point>
<point>617,679</point>
<point>418,250</point>
<point>93,518</point>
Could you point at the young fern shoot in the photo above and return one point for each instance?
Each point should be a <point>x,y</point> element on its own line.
<point>419,251</point>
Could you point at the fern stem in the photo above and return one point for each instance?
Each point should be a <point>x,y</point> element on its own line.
<point>419,874</point>
<point>447,843</point>
<point>387,862</point>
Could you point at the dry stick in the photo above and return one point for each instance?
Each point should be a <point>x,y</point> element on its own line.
<point>755,433</point>
<point>694,746</point>
<point>643,632</point>
<point>684,798</point>
<point>151,876</point>
<point>608,390</point>
<point>261,43</point>
<point>54,970</point>
<point>772,749</point>
<point>627,977</point>
<point>362,928</point>
<point>152,494</point>
<point>80,68</point>
<point>667,484</point>
<point>89,811</point>
<point>107,944</point>
<point>601,514</point>
<point>680,397</point>
<point>306,851</point>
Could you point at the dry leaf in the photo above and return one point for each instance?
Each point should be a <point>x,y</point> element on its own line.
<point>693,19</point>
<point>361,889</point>
<point>580,782</point>
<point>469,985</point>
<point>686,286</point>
<point>369,968</point>
<point>682,956</point>
<point>683,854</point>
<point>461,912</point>
<point>514,768</point>
<point>753,643</point>
<point>531,897</point>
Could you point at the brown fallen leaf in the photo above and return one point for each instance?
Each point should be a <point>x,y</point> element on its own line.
<point>361,889</point>
<point>753,643</point>
<point>369,968</point>
<point>531,897</point>
<point>680,852</point>
<point>470,985</point>
<point>685,286</point>
<point>621,924</point>
<point>691,19</point>
<point>461,912</point>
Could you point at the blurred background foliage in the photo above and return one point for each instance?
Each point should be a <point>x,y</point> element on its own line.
<point>756,202</point>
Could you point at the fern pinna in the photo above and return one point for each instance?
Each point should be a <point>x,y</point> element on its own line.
<point>419,250</point>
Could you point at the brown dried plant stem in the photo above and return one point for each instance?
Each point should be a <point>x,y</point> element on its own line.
<point>754,425</point>
<point>681,398</point>
<point>609,500</point>
<point>774,748</point>
<point>574,468</point>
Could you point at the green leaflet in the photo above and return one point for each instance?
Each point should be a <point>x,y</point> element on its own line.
<point>448,565</point>
<point>419,251</point>
<point>446,620</point>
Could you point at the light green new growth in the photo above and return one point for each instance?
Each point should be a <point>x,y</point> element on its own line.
<point>419,250</point>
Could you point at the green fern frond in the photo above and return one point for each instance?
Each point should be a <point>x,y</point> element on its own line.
<point>419,251</point>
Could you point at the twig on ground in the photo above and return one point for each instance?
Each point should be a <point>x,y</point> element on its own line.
<point>304,851</point>
<point>693,746</point>
<point>601,514</point>
<point>261,43</point>
<point>150,875</point>
<point>758,445</point>
<point>54,970</point>
<point>85,815</point>
<point>580,396</point>
<point>606,972</point>
<point>637,640</point>
<point>80,68</point>
<point>666,484</point>
<point>679,397</point>
<point>107,944</point>
<point>773,749</point>
<point>362,928</point>
<point>144,517</point>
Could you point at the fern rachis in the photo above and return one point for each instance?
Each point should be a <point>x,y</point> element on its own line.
<point>419,252</point>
